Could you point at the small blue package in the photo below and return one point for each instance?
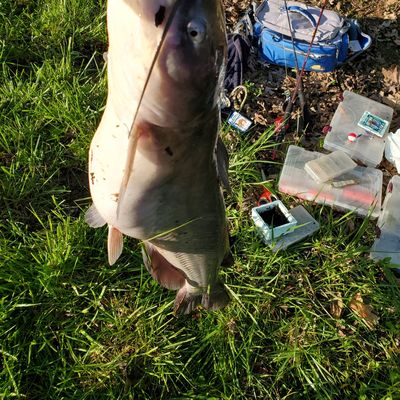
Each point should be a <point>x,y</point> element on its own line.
<point>373,124</point>
<point>239,122</point>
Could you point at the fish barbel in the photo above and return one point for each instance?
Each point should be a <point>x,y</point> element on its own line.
<point>153,160</point>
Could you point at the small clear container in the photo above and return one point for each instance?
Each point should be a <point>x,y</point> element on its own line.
<point>272,220</point>
<point>329,166</point>
<point>365,147</point>
<point>359,190</point>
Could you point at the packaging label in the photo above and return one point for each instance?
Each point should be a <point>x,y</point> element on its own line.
<point>239,122</point>
<point>373,124</point>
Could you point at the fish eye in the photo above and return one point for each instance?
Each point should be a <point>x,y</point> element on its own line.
<point>196,30</point>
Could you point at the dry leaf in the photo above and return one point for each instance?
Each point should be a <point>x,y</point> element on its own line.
<point>392,73</point>
<point>364,311</point>
<point>337,307</point>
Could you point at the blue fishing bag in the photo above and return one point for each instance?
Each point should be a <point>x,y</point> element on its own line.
<point>336,41</point>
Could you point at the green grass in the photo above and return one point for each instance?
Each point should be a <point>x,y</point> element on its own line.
<point>71,327</point>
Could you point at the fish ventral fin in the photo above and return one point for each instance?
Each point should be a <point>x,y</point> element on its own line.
<point>114,245</point>
<point>160,269</point>
<point>93,217</point>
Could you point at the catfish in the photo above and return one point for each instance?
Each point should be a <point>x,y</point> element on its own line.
<point>156,162</point>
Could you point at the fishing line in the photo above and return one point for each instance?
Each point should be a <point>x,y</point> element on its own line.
<point>156,54</point>
<point>299,78</point>
<point>309,50</point>
<point>133,138</point>
<point>291,37</point>
<point>289,106</point>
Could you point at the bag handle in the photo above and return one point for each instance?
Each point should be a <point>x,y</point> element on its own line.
<point>306,14</point>
<point>355,34</point>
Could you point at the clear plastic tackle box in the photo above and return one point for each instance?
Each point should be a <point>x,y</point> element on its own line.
<point>364,146</point>
<point>359,190</point>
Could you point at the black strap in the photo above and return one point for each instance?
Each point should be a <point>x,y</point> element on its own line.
<point>238,53</point>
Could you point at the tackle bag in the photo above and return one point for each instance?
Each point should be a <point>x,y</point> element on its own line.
<point>336,41</point>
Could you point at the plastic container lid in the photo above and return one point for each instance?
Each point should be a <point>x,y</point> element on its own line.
<point>329,166</point>
<point>366,147</point>
<point>361,189</point>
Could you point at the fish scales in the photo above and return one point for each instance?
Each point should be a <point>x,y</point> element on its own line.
<point>153,159</point>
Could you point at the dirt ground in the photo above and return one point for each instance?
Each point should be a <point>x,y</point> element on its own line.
<point>374,74</point>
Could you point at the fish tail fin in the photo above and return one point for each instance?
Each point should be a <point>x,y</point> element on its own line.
<point>160,269</point>
<point>214,299</point>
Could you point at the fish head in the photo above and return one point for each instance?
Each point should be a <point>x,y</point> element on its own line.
<point>188,74</point>
<point>177,56</point>
<point>194,48</point>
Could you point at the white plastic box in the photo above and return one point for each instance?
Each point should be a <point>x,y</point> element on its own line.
<point>364,197</point>
<point>388,243</point>
<point>329,166</point>
<point>366,148</point>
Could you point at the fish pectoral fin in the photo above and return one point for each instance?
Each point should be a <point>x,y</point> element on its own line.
<point>213,299</point>
<point>160,269</point>
<point>93,217</point>
<point>223,164</point>
<point>114,245</point>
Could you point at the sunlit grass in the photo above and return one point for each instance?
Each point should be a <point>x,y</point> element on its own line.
<point>71,327</point>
